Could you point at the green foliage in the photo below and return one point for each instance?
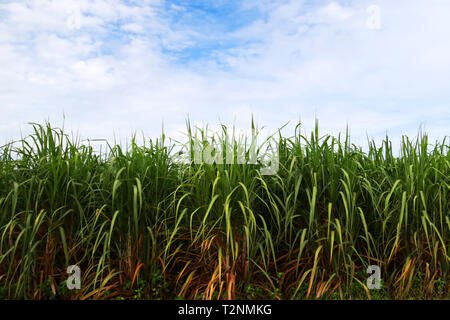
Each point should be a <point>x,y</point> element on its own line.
<point>187,230</point>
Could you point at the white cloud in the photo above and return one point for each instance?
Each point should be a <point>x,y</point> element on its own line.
<point>335,11</point>
<point>297,60</point>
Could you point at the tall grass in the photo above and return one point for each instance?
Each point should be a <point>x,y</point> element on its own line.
<point>142,225</point>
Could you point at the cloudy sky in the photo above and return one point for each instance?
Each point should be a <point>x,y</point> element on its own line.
<point>116,67</point>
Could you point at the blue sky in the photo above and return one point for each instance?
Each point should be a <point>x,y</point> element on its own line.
<point>115,67</point>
